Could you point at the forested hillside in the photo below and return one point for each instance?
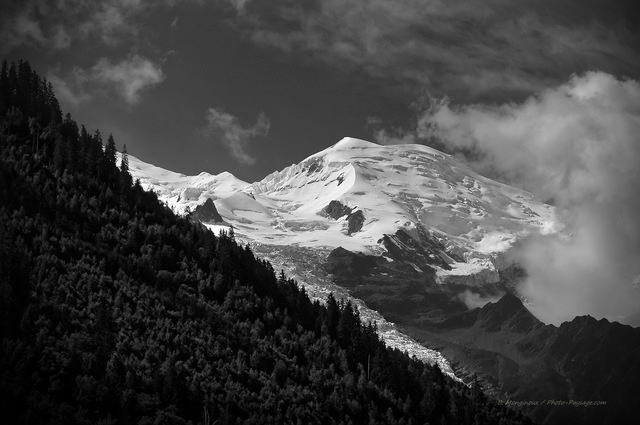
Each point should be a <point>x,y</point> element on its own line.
<point>115,310</point>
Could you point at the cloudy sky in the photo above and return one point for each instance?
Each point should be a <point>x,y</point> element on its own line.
<point>248,86</point>
<point>541,94</point>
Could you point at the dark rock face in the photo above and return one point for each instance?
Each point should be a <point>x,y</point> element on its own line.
<point>344,262</point>
<point>394,288</point>
<point>337,209</point>
<point>355,219</point>
<point>314,165</point>
<point>207,212</point>
<point>509,313</point>
<point>425,253</point>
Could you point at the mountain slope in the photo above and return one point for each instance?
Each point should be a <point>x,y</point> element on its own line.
<point>184,191</point>
<point>584,371</point>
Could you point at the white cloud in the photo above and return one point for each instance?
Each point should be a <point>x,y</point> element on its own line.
<point>227,129</point>
<point>70,90</point>
<point>474,300</point>
<point>389,136</point>
<point>577,145</point>
<point>114,19</point>
<point>128,77</point>
<point>20,28</point>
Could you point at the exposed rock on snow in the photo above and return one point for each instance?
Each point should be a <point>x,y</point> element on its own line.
<point>207,212</point>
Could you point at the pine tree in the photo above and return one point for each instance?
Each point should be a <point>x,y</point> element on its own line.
<point>70,133</point>
<point>95,154</point>
<point>60,153</point>
<point>333,315</point>
<point>4,87</point>
<point>110,151</point>
<point>13,83</point>
<point>124,163</point>
<point>54,106</point>
<point>125,176</point>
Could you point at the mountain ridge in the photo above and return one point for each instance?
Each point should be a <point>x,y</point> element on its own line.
<point>517,357</point>
<point>469,221</point>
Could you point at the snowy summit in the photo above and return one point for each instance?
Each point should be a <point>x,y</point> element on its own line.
<point>374,199</point>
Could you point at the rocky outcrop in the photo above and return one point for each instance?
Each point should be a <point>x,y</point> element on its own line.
<point>337,209</point>
<point>207,212</point>
<point>344,262</point>
<point>355,218</point>
<point>508,313</point>
<point>355,222</point>
<point>423,254</point>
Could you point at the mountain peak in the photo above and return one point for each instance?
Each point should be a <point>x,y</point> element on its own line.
<point>352,142</point>
<point>510,302</point>
<point>207,212</point>
<point>508,311</point>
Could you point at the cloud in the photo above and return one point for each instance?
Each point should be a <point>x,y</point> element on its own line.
<point>389,136</point>
<point>576,145</point>
<point>227,129</point>
<point>470,50</point>
<point>19,26</point>
<point>474,300</point>
<point>70,90</point>
<point>112,20</point>
<point>127,79</point>
<point>238,4</point>
<point>61,40</point>
<point>56,25</point>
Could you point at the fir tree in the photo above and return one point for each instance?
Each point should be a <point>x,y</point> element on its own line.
<point>110,152</point>
<point>125,176</point>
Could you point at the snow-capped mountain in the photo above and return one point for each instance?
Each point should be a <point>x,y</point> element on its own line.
<point>405,203</point>
<point>183,191</point>
<point>408,202</point>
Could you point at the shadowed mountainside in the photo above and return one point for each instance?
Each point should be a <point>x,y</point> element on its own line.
<point>550,372</point>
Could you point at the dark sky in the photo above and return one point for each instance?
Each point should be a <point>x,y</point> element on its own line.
<point>252,86</point>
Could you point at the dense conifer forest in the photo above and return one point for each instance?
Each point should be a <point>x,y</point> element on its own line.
<point>115,310</point>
